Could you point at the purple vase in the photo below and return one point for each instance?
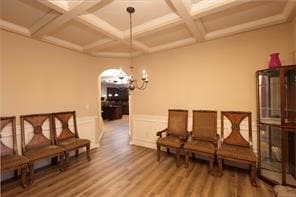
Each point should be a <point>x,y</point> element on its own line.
<point>274,60</point>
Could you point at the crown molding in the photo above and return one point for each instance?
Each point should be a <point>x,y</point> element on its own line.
<point>172,45</point>
<point>14,28</point>
<point>115,54</point>
<point>273,20</point>
<point>62,43</point>
<point>100,43</point>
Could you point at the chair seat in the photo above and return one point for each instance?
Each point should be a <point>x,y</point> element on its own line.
<point>13,162</point>
<point>73,143</point>
<point>200,146</point>
<point>236,152</point>
<point>43,152</point>
<point>170,141</point>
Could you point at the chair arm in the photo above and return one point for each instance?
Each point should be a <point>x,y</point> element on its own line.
<point>159,133</point>
<point>185,137</point>
<point>217,139</point>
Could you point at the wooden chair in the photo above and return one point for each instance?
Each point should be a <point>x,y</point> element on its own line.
<point>10,159</point>
<point>176,133</point>
<point>39,147</point>
<point>204,137</point>
<point>235,147</point>
<point>68,139</point>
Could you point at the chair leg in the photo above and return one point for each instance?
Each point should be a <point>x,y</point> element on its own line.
<point>158,152</point>
<point>186,159</point>
<point>220,163</point>
<point>87,152</point>
<point>76,152</point>
<point>66,160</point>
<point>177,157</point>
<point>168,151</point>
<point>62,163</point>
<point>54,161</point>
<point>31,172</point>
<point>16,173</point>
<point>211,163</point>
<point>253,175</point>
<point>23,177</point>
<point>193,156</point>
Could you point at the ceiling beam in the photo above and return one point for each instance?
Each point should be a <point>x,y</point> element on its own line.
<point>105,28</point>
<point>65,17</point>
<point>43,21</point>
<point>185,15</point>
<point>100,25</point>
<point>55,5</point>
<point>288,10</point>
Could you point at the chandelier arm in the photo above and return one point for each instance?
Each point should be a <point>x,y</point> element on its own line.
<point>142,86</point>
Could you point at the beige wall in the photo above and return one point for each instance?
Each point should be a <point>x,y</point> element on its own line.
<point>218,74</point>
<point>37,77</point>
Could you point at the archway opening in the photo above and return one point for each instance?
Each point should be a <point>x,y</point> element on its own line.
<point>115,103</point>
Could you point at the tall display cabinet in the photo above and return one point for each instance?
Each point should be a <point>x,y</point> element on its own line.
<point>276,124</point>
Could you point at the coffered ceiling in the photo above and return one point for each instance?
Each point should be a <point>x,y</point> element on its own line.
<point>101,27</point>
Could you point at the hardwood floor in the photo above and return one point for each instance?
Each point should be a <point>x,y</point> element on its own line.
<point>119,169</point>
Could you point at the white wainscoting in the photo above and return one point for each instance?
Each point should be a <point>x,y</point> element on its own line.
<point>144,128</point>
<point>86,129</point>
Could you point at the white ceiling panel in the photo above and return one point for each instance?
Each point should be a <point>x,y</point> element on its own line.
<point>78,33</point>
<point>115,12</point>
<point>242,14</point>
<point>165,36</point>
<point>22,12</point>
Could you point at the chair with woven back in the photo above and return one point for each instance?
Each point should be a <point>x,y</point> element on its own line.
<point>10,159</point>
<point>67,138</point>
<point>176,133</point>
<point>235,147</point>
<point>39,146</point>
<point>204,137</point>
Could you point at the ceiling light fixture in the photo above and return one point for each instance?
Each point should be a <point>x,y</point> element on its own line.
<point>133,83</point>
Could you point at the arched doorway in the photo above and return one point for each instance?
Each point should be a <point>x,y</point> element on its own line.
<point>114,101</point>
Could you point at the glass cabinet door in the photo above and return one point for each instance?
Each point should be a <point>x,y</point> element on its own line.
<point>269,97</point>
<point>270,152</point>
<point>290,157</point>
<point>289,97</point>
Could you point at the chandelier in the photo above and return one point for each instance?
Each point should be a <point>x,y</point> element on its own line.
<point>134,83</point>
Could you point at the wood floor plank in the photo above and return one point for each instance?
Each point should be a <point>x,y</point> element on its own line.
<point>120,169</point>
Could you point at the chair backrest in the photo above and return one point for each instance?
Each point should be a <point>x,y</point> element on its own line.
<point>177,122</point>
<point>204,125</point>
<point>64,119</point>
<point>39,139</point>
<point>5,150</point>
<point>235,137</point>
